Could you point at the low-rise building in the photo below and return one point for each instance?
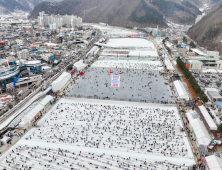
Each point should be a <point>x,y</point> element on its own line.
<point>203,62</point>
<point>214,95</point>
<point>23,54</point>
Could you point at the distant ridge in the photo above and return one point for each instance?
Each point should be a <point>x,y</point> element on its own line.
<point>208,31</point>
<point>25,5</point>
<point>131,13</point>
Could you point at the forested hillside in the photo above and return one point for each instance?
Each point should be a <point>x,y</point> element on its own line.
<point>124,12</point>
<point>208,31</point>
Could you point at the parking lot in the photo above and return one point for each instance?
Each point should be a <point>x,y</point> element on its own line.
<point>208,80</point>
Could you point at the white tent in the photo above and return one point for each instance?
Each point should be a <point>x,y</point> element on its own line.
<point>202,136</point>
<point>46,100</point>
<point>94,50</point>
<point>217,120</point>
<point>208,118</point>
<point>33,112</point>
<point>27,119</point>
<point>60,81</point>
<point>80,65</point>
<point>24,123</point>
<point>168,63</point>
<point>214,162</point>
<point>182,93</point>
<point>191,115</point>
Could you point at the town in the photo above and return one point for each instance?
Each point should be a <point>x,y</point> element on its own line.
<point>77,95</point>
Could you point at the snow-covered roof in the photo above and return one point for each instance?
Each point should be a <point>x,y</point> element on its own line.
<point>34,111</point>
<point>61,81</point>
<point>46,100</point>
<point>38,108</point>
<point>169,65</point>
<point>200,130</point>
<point>80,65</point>
<point>51,44</point>
<point>214,162</point>
<point>33,62</point>
<point>182,93</point>
<point>45,67</point>
<point>214,94</point>
<point>191,115</point>
<point>208,118</point>
<point>198,51</point>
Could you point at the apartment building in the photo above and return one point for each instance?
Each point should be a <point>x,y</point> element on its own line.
<point>59,20</point>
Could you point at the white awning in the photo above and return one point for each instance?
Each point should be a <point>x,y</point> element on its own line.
<point>208,118</point>
<point>214,162</point>
<point>80,65</point>
<point>59,83</point>
<point>34,111</point>
<point>203,137</point>
<point>24,123</point>
<point>182,93</point>
<point>168,63</point>
<point>46,100</point>
<point>39,107</point>
<point>191,115</point>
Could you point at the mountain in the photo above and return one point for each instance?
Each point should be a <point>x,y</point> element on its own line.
<point>206,5</point>
<point>183,12</point>
<point>25,5</point>
<point>123,12</point>
<point>208,31</point>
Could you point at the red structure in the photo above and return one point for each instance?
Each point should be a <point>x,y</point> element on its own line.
<point>2,43</point>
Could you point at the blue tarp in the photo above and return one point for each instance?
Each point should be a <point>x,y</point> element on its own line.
<point>219,104</point>
<point>11,37</point>
<point>15,80</point>
<point>50,92</point>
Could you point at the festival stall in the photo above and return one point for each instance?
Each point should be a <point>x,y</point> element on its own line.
<point>36,112</point>
<point>208,118</point>
<point>201,135</point>
<point>80,65</point>
<point>59,83</point>
<point>213,162</point>
<point>181,92</point>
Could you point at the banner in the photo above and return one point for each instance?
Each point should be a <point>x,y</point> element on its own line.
<point>9,85</point>
<point>115,81</point>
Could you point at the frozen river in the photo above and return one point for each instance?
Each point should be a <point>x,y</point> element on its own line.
<point>140,81</point>
<point>84,130</point>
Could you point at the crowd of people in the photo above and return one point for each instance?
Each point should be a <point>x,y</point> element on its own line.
<point>121,128</point>
<point>135,84</point>
<point>150,130</point>
<point>39,158</point>
<point>144,65</point>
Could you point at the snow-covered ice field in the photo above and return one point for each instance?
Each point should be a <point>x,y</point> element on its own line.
<point>131,64</point>
<point>101,129</point>
<point>140,81</point>
<point>109,30</point>
<point>130,42</point>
